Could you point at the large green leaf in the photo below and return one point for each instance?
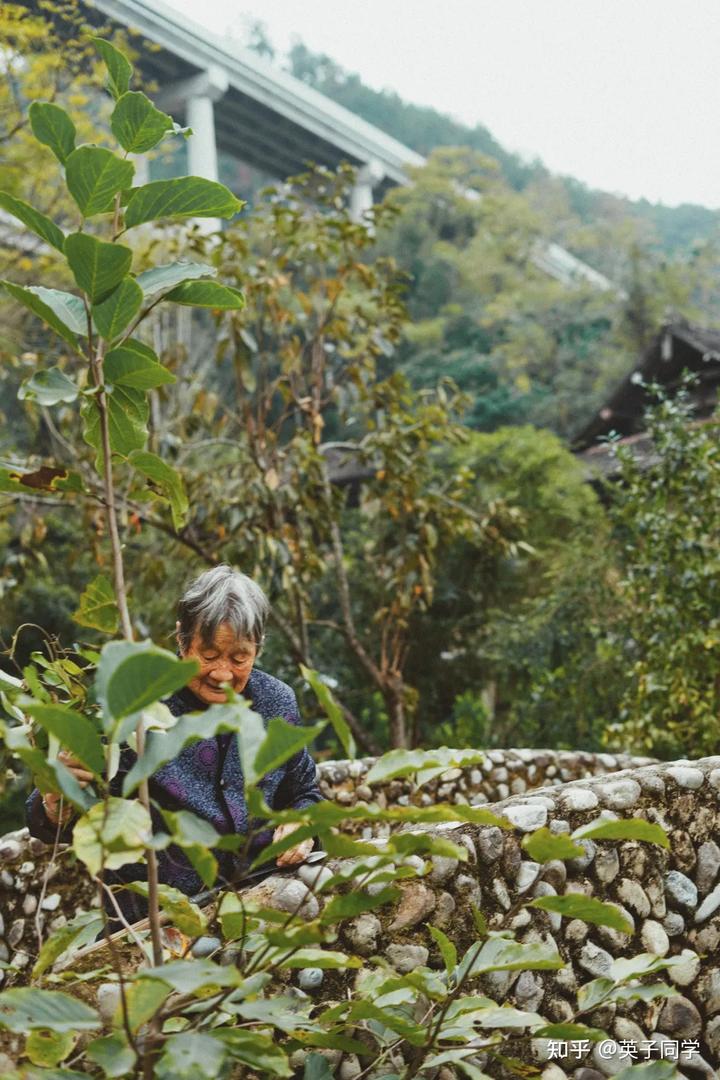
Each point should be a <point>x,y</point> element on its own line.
<point>354,903</point>
<point>446,947</point>
<point>586,908</point>
<point>164,278</point>
<point>189,976</point>
<point>135,365</point>
<point>426,763</point>
<point>650,1070</point>
<point>183,914</point>
<point>502,954</point>
<point>280,743</point>
<point>94,177</point>
<point>191,1054</point>
<point>331,709</point>
<point>136,124</point>
<point>320,958</point>
<point>118,310</point>
<point>62,939</point>
<point>112,834</point>
<point>255,1050</point>
<point>48,387</point>
<point>113,1054</point>
<point>74,731</point>
<point>43,310</point>
<point>166,480</point>
<point>69,308</point>
<point>24,1009</point>
<point>144,998</point>
<point>42,226</point>
<point>187,196</point>
<point>97,608</point>
<point>118,66</point>
<point>48,1048</point>
<point>52,126</point>
<point>209,294</point>
<point>98,267</point>
<point>133,675</point>
<point>49,775</point>
<point>624,829</point>
<point>543,845</point>
<point>128,412</point>
<point>161,747</point>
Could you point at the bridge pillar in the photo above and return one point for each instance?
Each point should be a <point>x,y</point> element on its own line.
<point>197,97</point>
<point>361,197</point>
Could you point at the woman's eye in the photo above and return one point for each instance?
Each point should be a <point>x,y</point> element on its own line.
<point>209,657</point>
<point>241,659</point>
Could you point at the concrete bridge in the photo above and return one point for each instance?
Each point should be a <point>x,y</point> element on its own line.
<point>239,103</point>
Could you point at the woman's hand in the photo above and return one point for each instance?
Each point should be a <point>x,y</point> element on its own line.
<point>51,801</point>
<point>295,854</point>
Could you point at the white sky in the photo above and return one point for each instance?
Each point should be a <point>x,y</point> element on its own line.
<point>622,94</point>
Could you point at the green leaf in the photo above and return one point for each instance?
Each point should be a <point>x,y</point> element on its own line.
<point>189,976</point>
<point>52,126</point>
<point>183,914</point>
<point>429,763</point>
<point>570,1033</point>
<point>97,608</point>
<point>62,939</point>
<point>281,742</point>
<point>135,366</point>
<point>118,66</point>
<point>501,954</point>
<point>574,905</point>
<point>47,1048</point>
<point>98,267</point>
<point>166,479</point>
<point>164,278</point>
<point>38,307</point>
<point>320,958</point>
<point>118,310</point>
<point>48,387</point>
<point>209,294</point>
<point>331,709</point>
<point>161,747</point>
<point>446,947</point>
<point>256,1050</point>
<point>137,124</point>
<point>543,845</point>
<point>190,1054</point>
<point>49,775</point>
<point>128,412</point>
<point>24,1009</point>
<point>651,1070</point>
<point>186,196</point>
<point>585,908</point>
<point>112,1054</point>
<point>144,998</point>
<point>317,1067</point>
<point>119,826</point>
<point>69,308</point>
<point>74,731</point>
<point>94,176</point>
<point>42,226</point>
<point>132,675</point>
<point>624,829</point>
<point>353,903</point>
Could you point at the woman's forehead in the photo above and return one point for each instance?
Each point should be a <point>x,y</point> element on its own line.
<point>224,637</point>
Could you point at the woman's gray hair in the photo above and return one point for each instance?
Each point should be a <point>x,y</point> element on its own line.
<point>222,595</point>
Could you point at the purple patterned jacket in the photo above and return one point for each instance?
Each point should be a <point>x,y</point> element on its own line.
<point>205,778</point>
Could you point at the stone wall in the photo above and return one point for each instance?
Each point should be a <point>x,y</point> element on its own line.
<point>24,860</point>
<point>671,898</point>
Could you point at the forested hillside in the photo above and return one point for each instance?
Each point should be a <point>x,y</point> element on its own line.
<point>672,229</point>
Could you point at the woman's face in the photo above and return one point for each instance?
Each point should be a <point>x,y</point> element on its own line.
<point>227,660</point>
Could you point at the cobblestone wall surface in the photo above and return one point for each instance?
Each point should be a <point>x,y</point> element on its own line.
<point>670,897</point>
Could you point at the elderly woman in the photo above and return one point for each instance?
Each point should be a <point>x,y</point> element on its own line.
<point>221,625</point>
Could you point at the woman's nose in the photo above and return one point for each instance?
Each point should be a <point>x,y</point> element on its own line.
<point>221,671</point>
